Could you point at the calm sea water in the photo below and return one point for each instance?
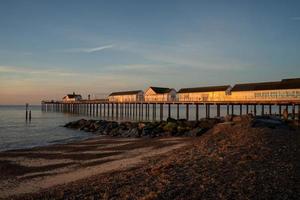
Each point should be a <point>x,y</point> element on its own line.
<point>44,128</point>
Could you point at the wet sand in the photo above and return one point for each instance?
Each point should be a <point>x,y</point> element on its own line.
<point>31,170</point>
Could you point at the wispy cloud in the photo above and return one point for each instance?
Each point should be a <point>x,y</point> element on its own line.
<point>31,71</point>
<point>89,50</point>
<point>295,18</point>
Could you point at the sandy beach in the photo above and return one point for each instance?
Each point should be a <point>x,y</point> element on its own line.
<point>31,170</point>
<point>237,159</point>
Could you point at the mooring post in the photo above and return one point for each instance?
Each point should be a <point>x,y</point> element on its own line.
<point>197,112</point>
<point>29,115</point>
<point>26,105</point>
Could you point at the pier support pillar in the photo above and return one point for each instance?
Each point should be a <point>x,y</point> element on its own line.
<point>270,109</point>
<point>161,112</point>
<point>254,109</point>
<point>241,109</point>
<point>197,112</point>
<point>279,110</point>
<point>293,111</point>
<point>208,111</point>
<point>262,109</point>
<point>247,109</point>
<point>187,111</point>
<point>227,106</point>
<point>169,110</point>
<point>153,112</point>
<point>232,109</point>
<point>218,110</point>
<point>142,112</point>
<point>178,111</point>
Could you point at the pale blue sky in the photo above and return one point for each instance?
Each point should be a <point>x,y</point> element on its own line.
<point>49,48</point>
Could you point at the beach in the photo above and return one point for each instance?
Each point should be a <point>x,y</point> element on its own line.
<point>235,159</point>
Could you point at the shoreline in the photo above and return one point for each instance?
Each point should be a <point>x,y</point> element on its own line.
<point>245,149</point>
<point>30,170</point>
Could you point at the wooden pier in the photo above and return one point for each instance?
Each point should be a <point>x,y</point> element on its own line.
<point>141,110</point>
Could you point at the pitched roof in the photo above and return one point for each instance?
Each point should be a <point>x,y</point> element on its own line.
<point>125,93</point>
<point>161,90</point>
<point>283,84</point>
<point>204,89</point>
<point>70,96</point>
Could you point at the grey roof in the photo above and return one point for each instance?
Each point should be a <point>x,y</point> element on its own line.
<point>283,84</point>
<point>125,93</point>
<point>204,89</point>
<point>161,90</point>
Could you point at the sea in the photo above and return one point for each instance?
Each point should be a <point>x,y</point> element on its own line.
<point>46,128</point>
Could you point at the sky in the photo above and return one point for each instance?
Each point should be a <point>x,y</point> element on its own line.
<point>51,48</point>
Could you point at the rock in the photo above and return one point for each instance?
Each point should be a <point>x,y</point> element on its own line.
<point>170,127</point>
<point>196,131</point>
<point>169,119</point>
<point>269,122</point>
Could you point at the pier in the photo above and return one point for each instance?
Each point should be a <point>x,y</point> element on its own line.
<point>141,110</point>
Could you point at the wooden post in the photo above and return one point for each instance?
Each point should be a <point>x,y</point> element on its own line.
<point>227,109</point>
<point>187,111</point>
<point>142,114</point>
<point>104,109</point>
<point>29,115</point>
<point>208,109</point>
<point>161,112</point>
<point>26,116</point>
<point>97,109</point>
<point>247,109</point>
<point>293,111</point>
<point>169,110</point>
<point>299,114</point>
<point>93,109</point>
<point>197,112</point>
<point>232,109</point>
<point>254,109</point>
<point>270,109</point>
<point>178,111</point>
<point>262,109</point>
<point>153,112</point>
<point>241,109</point>
<point>218,110</point>
<point>139,111</point>
<point>112,110</point>
<point>279,111</point>
<point>117,110</point>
